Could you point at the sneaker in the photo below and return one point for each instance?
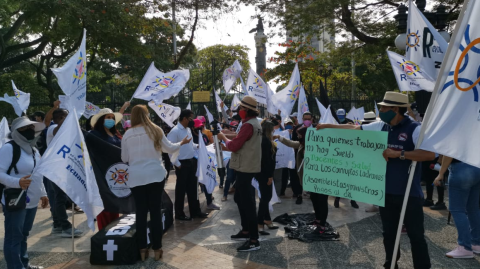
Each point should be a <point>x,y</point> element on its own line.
<point>460,253</point>
<point>67,233</point>
<point>299,200</point>
<point>240,236</point>
<point>220,187</point>
<point>476,249</point>
<point>56,230</point>
<point>249,246</point>
<point>35,267</point>
<point>337,202</point>
<point>213,206</point>
<point>354,204</point>
<point>404,229</point>
<point>428,203</point>
<point>372,208</point>
<point>224,198</point>
<point>438,206</point>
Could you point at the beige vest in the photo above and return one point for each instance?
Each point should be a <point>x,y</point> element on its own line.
<point>248,158</point>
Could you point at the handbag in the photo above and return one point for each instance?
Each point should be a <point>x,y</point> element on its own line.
<point>11,197</point>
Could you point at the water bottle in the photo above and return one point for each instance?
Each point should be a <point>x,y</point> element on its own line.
<point>435,167</point>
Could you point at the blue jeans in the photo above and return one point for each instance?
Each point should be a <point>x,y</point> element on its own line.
<point>17,228</point>
<point>464,191</point>
<point>230,179</point>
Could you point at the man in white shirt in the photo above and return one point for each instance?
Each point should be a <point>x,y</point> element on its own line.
<point>185,169</point>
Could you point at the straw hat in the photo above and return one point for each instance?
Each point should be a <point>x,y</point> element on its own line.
<point>103,112</point>
<point>249,102</point>
<point>395,99</point>
<point>369,117</point>
<point>24,121</point>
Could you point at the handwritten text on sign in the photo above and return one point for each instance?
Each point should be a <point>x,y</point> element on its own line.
<point>346,163</point>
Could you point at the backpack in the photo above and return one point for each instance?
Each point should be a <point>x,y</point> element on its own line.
<point>41,143</point>
<point>15,158</point>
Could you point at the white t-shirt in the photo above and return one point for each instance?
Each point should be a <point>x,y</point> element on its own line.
<point>377,126</point>
<point>50,133</point>
<point>144,161</point>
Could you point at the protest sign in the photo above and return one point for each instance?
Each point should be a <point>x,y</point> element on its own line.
<point>285,157</point>
<point>346,163</point>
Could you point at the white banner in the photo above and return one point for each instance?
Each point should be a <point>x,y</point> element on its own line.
<point>409,75</point>
<point>90,110</point>
<point>452,122</point>
<point>328,118</point>
<point>302,105</point>
<point>66,163</point>
<point>13,101</point>
<point>72,78</point>
<point>425,46</point>
<point>321,108</point>
<point>23,99</point>
<point>256,87</point>
<point>271,108</point>
<point>285,155</point>
<point>230,75</point>
<point>4,131</point>
<point>274,199</point>
<point>356,115</point>
<point>209,115</point>
<point>158,86</point>
<point>166,112</point>
<point>206,168</point>
<point>285,99</point>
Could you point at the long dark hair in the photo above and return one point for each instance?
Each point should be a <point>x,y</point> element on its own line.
<point>101,129</point>
<point>267,131</point>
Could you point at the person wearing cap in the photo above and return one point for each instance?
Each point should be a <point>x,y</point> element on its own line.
<point>205,131</point>
<point>294,118</point>
<point>185,169</point>
<point>341,114</point>
<point>403,134</point>
<point>197,128</point>
<point>19,223</point>
<point>246,159</point>
<point>104,126</point>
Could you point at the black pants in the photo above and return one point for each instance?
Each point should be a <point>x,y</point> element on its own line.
<point>390,215</point>
<point>186,183</point>
<point>294,181</point>
<point>429,175</point>
<point>320,206</point>
<point>266,193</point>
<point>148,198</point>
<point>61,200</point>
<point>245,199</point>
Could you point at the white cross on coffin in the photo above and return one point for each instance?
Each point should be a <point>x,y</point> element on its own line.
<point>110,247</point>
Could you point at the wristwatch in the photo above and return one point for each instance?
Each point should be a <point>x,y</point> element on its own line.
<point>402,155</point>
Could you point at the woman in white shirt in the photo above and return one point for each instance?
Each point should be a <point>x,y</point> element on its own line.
<point>19,222</point>
<point>142,148</point>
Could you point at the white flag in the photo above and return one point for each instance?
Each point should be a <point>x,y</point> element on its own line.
<point>90,110</point>
<point>23,99</point>
<point>209,115</point>
<point>230,75</point>
<point>219,101</point>
<point>377,112</point>
<point>4,131</point>
<point>285,157</point>
<point>452,122</point>
<point>72,78</point>
<point>285,99</point>
<point>66,163</point>
<point>158,86</point>
<point>274,199</point>
<point>243,86</point>
<point>166,112</point>
<point>206,168</point>
<point>322,109</point>
<point>256,87</point>
<point>328,118</point>
<point>409,75</point>
<point>235,103</point>
<point>13,101</point>
<point>189,106</point>
<point>355,115</point>
<point>271,108</point>
<point>302,105</point>
<point>361,113</point>
<point>425,46</point>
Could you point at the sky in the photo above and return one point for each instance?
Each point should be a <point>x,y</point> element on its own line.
<point>228,31</point>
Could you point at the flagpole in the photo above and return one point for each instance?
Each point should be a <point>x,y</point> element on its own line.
<point>422,130</point>
<point>73,229</point>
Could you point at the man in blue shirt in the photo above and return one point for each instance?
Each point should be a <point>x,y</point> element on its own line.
<point>403,134</point>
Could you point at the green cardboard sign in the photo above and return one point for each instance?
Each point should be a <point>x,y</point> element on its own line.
<point>346,163</point>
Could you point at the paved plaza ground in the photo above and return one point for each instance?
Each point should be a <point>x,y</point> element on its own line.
<point>206,243</point>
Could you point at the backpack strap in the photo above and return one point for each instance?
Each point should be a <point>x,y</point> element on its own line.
<point>15,158</point>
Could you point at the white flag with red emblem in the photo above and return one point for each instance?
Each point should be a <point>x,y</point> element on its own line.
<point>409,75</point>
<point>166,112</point>
<point>256,87</point>
<point>285,99</point>
<point>206,167</point>
<point>230,75</point>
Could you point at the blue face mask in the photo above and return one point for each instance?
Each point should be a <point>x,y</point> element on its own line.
<point>388,116</point>
<point>288,127</point>
<point>109,123</point>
